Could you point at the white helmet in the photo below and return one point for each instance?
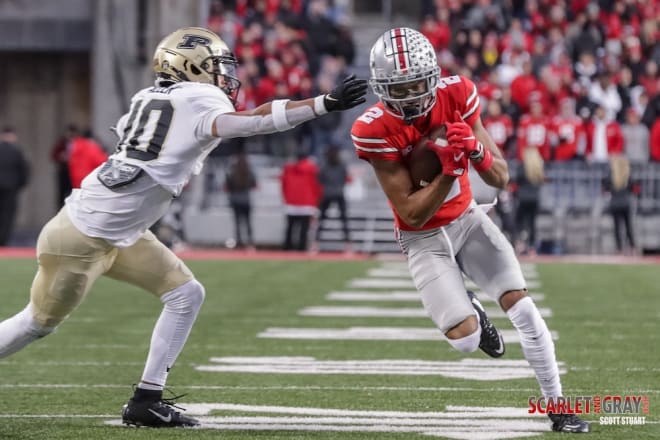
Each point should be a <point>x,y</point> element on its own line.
<point>403,55</point>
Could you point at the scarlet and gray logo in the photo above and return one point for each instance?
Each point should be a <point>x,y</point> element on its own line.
<point>190,41</point>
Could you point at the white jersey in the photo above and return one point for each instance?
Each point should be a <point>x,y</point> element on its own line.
<point>167,133</point>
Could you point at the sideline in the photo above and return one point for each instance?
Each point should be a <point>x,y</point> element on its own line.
<point>223,254</point>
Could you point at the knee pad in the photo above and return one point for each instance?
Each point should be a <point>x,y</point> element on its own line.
<point>188,297</point>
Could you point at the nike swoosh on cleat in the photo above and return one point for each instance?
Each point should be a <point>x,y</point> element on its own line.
<point>501,349</point>
<point>167,419</point>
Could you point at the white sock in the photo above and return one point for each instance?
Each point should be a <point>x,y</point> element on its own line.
<point>20,330</point>
<point>171,332</point>
<point>467,344</point>
<point>537,345</point>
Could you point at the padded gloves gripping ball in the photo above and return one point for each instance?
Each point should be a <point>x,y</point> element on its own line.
<point>432,155</point>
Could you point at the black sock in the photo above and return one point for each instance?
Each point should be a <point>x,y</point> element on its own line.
<point>142,394</point>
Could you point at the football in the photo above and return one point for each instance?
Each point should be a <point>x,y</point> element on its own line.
<point>423,163</point>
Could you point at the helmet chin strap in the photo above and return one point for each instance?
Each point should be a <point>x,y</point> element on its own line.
<point>409,114</point>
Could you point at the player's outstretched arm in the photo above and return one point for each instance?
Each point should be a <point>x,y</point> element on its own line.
<point>414,206</point>
<point>284,114</point>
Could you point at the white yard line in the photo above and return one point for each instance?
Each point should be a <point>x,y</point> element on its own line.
<point>58,416</point>
<point>478,424</point>
<point>315,388</point>
<point>401,265</point>
<point>371,334</point>
<point>471,369</point>
<point>398,283</point>
<point>399,295</point>
<point>384,272</point>
<point>392,312</point>
<point>75,363</point>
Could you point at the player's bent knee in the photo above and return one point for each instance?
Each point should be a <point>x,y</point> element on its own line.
<point>38,325</point>
<point>467,344</point>
<point>188,297</point>
<point>510,298</point>
<point>198,293</point>
<point>42,330</point>
<point>465,328</point>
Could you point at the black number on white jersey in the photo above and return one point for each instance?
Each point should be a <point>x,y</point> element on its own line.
<point>153,123</point>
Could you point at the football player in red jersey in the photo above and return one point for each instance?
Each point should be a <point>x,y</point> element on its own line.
<point>440,229</point>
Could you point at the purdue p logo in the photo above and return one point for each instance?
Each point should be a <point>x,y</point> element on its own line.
<point>190,41</point>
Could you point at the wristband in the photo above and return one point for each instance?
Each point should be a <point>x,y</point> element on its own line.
<point>485,163</point>
<point>319,105</point>
<point>478,154</point>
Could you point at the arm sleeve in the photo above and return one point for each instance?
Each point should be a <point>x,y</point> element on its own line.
<point>281,119</point>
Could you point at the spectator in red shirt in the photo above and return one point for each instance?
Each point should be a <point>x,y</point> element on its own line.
<point>86,154</point>
<point>499,126</point>
<point>650,79</point>
<point>533,131</point>
<point>302,193</point>
<point>567,132</point>
<point>523,85</point>
<point>655,140</point>
<point>438,32</point>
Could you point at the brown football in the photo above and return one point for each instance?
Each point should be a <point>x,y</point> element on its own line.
<point>423,163</point>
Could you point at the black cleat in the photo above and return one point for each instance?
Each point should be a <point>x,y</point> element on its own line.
<point>568,423</point>
<point>148,408</point>
<point>491,339</point>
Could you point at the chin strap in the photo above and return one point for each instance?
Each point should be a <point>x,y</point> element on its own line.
<point>408,115</point>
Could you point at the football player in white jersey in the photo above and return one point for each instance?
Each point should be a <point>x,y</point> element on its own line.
<point>103,228</point>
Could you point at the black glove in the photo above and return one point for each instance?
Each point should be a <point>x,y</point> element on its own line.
<point>346,95</point>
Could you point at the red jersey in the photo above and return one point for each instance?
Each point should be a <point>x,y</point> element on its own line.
<point>500,128</point>
<point>380,135</point>
<point>534,132</point>
<point>568,133</point>
<point>300,184</point>
<point>84,157</point>
<point>655,141</point>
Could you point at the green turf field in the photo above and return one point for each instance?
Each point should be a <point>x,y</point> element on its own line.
<point>72,384</point>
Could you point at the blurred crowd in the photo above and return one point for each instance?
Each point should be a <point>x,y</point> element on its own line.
<point>574,79</point>
<point>559,81</point>
<point>287,49</point>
